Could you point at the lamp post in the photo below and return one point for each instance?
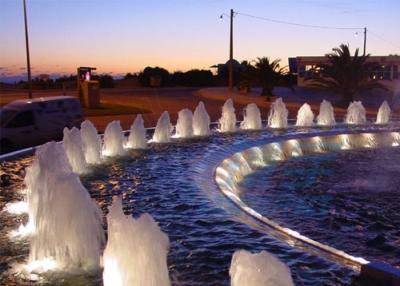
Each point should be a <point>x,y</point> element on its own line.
<point>231,53</point>
<point>28,61</point>
<point>365,40</point>
<point>230,62</point>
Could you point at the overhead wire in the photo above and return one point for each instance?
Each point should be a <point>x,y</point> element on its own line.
<point>298,24</point>
<point>316,26</point>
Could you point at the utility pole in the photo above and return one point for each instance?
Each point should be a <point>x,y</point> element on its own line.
<point>28,61</point>
<point>231,54</point>
<point>365,40</point>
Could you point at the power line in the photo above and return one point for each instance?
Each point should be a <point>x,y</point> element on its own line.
<point>316,26</point>
<point>383,39</point>
<point>298,24</point>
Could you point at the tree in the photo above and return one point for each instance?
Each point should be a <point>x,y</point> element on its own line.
<point>246,77</point>
<point>129,76</point>
<point>194,77</point>
<point>265,73</point>
<point>105,80</point>
<point>345,74</point>
<point>154,77</point>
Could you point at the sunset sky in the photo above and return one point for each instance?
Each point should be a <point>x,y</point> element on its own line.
<point>120,36</point>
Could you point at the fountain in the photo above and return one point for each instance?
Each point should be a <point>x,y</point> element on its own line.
<point>201,121</point>
<point>227,122</point>
<point>326,116</point>
<point>114,140</point>
<point>136,251</point>
<point>278,114</point>
<point>66,222</point>
<point>258,269</point>
<point>137,135</point>
<point>164,128</point>
<point>356,113</point>
<point>384,111</point>
<point>73,146</point>
<point>251,118</point>
<point>305,116</point>
<point>91,142</point>
<point>184,125</point>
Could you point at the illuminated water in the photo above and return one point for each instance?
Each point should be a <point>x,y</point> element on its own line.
<point>73,147</point>
<point>227,122</point>
<point>137,135</point>
<point>326,116</point>
<point>251,118</point>
<point>278,114</point>
<point>56,198</point>
<point>184,125</point>
<point>203,227</point>
<point>305,116</point>
<point>356,113</point>
<point>258,269</point>
<point>114,140</point>
<point>383,116</point>
<point>201,121</point>
<point>162,133</point>
<point>136,251</point>
<point>91,142</point>
<point>345,199</point>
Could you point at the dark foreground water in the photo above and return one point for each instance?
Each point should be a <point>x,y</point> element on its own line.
<point>170,182</point>
<point>348,199</point>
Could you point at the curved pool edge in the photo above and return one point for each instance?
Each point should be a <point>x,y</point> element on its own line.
<point>231,170</point>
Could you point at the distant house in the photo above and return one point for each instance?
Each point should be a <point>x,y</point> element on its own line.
<point>222,69</point>
<point>387,71</point>
<point>43,77</point>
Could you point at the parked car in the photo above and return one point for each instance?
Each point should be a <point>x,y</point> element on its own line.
<point>30,122</point>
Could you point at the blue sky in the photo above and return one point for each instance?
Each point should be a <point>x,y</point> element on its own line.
<point>119,36</point>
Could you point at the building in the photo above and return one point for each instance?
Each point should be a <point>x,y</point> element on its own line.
<point>222,69</point>
<point>387,72</point>
<point>43,77</point>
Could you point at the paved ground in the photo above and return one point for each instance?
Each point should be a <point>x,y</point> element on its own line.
<point>158,100</point>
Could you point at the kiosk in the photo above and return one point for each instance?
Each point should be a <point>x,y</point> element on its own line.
<point>88,90</point>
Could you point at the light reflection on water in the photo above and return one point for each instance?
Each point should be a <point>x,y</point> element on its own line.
<point>203,226</point>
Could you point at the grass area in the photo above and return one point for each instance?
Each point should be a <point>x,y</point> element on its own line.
<point>113,109</point>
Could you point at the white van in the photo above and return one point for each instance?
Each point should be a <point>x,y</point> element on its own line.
<point>30,122</point>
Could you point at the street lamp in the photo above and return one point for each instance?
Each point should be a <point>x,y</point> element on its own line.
<point>28,61</point>
<point>365,39</point>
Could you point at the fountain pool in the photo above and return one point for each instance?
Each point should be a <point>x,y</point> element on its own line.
<point>174,183</point>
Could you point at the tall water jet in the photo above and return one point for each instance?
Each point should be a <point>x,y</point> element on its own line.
<point>137,135</point>
<point>251,118</point>
<point>164,128</point>
<point>114,140</point>
<point>326,116</point>
<point>50,157</point>
<point>184,125</point>
<point>383,116</point>
<point>258,269</point>
<point>305,116</point>
<point>91,142</point>
<point>201,121</point>
<point>136,251</point>
<point>227,122</point>
<point>278,114</point>
<point>67,223</point>
<point>356,113</point>
<point>73,146</point>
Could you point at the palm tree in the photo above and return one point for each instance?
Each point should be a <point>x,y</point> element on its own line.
<point>345,74</point>
<point>269,74</point>
<point>246,77</point>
